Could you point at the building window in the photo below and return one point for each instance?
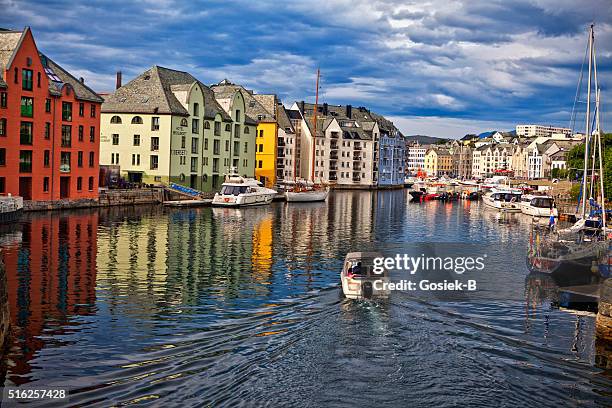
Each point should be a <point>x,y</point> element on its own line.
<point>65,162</point>
<point>246,130</point>
<point>25,161</point>
<point>228,128</point>
<point>81,130</point>
<point>206,144</point>
<point>246,147</point>
<point>67,111</point>
<point>25,133</point>
<point>79,183</point>
<point>136,140</point>
<point>66,135</point>
<point>237,115</point>
<point>38,79</point>
<point>261,134</point>
<point>194,145</point>
<point>183,141</point>
<point>91,159</point>
<point>3,99</point>
<point>195,126</point>
<point>90,185</point>
<point>47,158</point>
<point>154,162</point>
<point>47,130</point>
<point>194,164</point>
<point>46,185</point>
<point>154,144</point>
<point>2,185</point>
<point>196,109</point>
<point>116,120</point>
<point>215,168</point>
<point>216,146</point>
<point>137,120</point>
<point>115,139</point>
<point>155,123</point>
<point>114,158</point>
<point>81,109</point>
<point>92,111</point>
<point>26,79</point>
<point>2,127</point>
<point>27,106</point>
<point>2,156</point>
<point>48,105</point>
<point>217,128</point>
<point>261,149</point>
<point>80,159</point>
<point>92,133</point>
<point>206,124</point>
<point>236,148</point>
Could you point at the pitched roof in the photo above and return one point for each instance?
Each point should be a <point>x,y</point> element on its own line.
<point>257,107</point>
<point>283,118</point>
<point>81,91</point>
<point>9,42</point>
<point>153,91</point>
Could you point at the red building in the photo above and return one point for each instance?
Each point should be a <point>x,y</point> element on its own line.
<point>49,125</point>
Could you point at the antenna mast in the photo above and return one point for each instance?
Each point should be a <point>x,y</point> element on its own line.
<point>314,136</point>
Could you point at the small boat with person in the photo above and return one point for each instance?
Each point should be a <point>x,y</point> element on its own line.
<point>359,279</point>
<point>239,191</point>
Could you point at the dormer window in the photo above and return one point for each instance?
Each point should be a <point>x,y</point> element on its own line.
<point>115,120</point>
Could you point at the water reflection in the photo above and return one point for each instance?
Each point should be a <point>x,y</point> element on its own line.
<point>228,306</point>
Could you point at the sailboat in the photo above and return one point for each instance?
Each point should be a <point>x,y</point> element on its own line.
<point>308,190</point>
<point>577,250</point>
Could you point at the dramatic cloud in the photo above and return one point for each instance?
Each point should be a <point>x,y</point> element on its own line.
<point>438,66</point>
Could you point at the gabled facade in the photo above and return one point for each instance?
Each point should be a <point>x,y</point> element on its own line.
<point>438,162</point>
<point>49,125</point>
<point>166,126</point>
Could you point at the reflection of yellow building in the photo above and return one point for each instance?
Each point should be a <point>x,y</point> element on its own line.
<point>262,250</point>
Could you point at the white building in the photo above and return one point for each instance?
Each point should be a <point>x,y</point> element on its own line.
<point>416,157</point>
<point>541,130</point>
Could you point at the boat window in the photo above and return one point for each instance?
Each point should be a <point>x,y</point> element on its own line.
<point>542,202</point>
<point>233,190</point>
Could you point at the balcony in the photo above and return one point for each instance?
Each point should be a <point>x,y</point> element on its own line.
<point>356,167</point>
<point>356,156</point>
<point>281,142</point>
<point>334,145</point>
<point>333,177</point>
<point>334,135</point>
<point>280,165</point>
<point>356,179</point>
<point>333,167</point>
<point>357,146</point>
<point>333,155</point>
<point>280,153</point>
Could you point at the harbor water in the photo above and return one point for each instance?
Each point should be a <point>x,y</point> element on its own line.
<point>241,307</point>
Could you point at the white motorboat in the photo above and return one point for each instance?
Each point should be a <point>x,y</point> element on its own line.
<point>538,206</point>
<point>239,191</point>
<point>359,279</point>
<point>505,200</point>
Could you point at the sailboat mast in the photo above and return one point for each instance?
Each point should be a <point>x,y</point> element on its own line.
<point>588,126</point>
<point>314,136</point>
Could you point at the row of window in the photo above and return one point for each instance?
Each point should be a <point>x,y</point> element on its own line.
<point>90,185</point>
<point>25,160</point>
<point>26,132</point>
<point>195,125</point>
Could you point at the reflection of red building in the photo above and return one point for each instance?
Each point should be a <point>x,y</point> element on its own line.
<point>51,276</point>
<point>49,125</point>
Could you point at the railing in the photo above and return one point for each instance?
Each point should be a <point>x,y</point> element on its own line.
<point>333,156</point>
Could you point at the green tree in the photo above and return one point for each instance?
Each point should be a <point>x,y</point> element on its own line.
<point>575,163</point>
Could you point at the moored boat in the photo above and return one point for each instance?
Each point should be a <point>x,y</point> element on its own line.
<point>307,195</point>
<point>505,200</point>
<point>239,191</point>
<point>538,206</point>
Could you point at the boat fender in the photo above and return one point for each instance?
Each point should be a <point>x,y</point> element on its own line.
<point>367,289</point>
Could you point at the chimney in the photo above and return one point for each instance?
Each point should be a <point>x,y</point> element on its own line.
<point>301,106</point>
<point>325,109</point>
<point>349,111</point>
<point>82,80</point>
<point>118,84</point>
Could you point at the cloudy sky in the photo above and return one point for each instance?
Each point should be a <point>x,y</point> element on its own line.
<point>437,67</point>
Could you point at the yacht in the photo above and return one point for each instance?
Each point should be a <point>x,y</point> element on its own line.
<point>359,281</point>
<point>505,200</point>
<point>538,206</point>
<point>239,191</point>
<point>304,191</point>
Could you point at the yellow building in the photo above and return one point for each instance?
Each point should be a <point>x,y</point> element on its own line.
<point>438,162</point>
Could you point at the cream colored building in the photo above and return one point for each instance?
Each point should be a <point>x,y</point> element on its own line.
<point>542,131</point>
<point>166,126</point>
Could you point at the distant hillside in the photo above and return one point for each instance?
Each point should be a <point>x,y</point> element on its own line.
<point>424,139</point>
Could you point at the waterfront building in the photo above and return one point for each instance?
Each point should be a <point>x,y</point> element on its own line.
<point>262,110</point>
<point>49,125</point>
<point>391,151</point>
<point>462,159</point>
<point>167,126</point>
<point>286,145</point>
<point>518,161</point>
<point>488,159</point>
<point>438,162</point>
<point>542,131</point>
<point>415,154</point>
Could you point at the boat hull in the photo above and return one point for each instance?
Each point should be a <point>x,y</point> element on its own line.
<point>538,212</point>
<point>242,201</point>
<point>306,196</point>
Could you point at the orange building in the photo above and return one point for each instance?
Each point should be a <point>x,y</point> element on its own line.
<point>49,125</point>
